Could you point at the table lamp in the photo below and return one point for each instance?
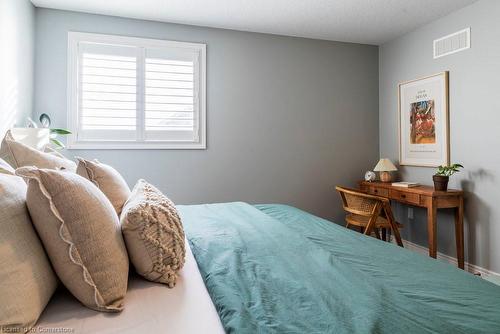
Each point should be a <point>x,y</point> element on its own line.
<point>36,138</point>
<point>385,166</point>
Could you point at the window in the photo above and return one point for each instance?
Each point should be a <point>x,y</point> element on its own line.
<point>126,92</point>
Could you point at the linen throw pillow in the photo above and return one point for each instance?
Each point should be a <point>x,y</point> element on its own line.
<point>19,155</point>
<point>107,179</point>
<point>80,231</point>
<point>26,278</point>
<point>153,234</point>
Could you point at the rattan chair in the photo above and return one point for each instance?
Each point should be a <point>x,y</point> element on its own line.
<point>369,213</point>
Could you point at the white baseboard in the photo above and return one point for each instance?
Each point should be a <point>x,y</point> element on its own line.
<point>472,268</point>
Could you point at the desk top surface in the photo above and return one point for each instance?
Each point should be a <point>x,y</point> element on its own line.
<point>422,190</point>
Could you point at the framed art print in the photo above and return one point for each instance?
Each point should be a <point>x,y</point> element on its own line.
<point>423,121</point>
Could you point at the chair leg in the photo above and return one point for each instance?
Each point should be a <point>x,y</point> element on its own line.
<point>377,233</point>
<point>384,234</point>
<point>361,229</point>
<point>394,227</point>
<point>397,235</point>
<point>371,223</point>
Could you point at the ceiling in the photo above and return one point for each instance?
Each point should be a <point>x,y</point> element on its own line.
<point>357,21</point>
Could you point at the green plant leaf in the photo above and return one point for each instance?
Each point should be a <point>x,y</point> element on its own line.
<point>57,143</point>
<point>449,170</point>
<point>60,131</point>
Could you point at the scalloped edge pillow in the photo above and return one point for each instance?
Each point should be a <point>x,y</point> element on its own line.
<point>80,231</point>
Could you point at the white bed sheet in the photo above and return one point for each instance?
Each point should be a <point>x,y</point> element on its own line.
<point>149,308</point>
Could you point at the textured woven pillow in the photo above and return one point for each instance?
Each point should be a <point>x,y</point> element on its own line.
<point>26,278</point>
<point>80,231</point>
<point>19,155</point>
<point>107,179</point>
<point>153,234</point>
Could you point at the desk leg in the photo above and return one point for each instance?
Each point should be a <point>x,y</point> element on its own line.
<point>459,232</point>
<point>432,229</point>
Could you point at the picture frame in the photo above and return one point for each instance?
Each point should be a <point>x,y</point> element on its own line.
<point>423,114</point>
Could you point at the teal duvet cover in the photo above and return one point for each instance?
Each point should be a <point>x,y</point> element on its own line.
<point>277,269</point>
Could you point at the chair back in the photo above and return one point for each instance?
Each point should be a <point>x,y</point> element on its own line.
<point>368,209</point>
<point>360,203</point>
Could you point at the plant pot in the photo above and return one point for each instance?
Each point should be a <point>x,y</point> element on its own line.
<point>440,182</point>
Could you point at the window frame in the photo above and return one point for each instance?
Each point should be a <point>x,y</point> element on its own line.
<point>74,38</point>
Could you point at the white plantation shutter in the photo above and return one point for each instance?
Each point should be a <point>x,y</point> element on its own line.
<point>171,94</point>
<point>108,92</point>
<point>135,93</point>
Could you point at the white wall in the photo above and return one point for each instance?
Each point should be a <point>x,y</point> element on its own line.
<point>17,25</point>
<point>474,122</point>
<point>288,118</point>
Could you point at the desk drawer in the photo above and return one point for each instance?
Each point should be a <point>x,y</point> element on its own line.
<point>402,196</point>
<point>378,191</point>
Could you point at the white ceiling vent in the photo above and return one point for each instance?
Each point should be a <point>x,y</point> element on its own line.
<point>452,43</point>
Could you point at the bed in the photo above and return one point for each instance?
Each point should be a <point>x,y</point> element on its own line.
<point>277,269</point>
<point>149,308</point>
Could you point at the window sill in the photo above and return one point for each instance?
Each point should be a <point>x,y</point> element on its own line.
<point>116,145</point>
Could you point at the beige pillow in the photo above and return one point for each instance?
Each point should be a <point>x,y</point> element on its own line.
<point>153,234</point>
<point>26,278</point>
<point>81,233</point>
<point>107,179</point>
<point>5,168</point>
<point>19,155</point>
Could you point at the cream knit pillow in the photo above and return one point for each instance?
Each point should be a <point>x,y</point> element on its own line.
<point>153,234</point>
<point>107,179</point>
<point>19,155</point>
<point>81,234</point>
<point>26,278</point>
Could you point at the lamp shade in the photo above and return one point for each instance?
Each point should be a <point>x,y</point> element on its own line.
<point>385,165</point>
<point>36,138</point>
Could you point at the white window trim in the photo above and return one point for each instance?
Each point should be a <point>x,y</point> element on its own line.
<point>72,92</point>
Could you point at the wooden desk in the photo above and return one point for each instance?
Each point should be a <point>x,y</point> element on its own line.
<point>426,197</point>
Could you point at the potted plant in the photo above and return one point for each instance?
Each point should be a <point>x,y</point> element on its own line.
<point>442,176</point>
<point>45,123</point>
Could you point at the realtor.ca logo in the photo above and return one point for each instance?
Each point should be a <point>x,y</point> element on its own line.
<point>36,329</point>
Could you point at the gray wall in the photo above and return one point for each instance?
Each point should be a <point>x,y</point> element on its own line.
<point>288,118</point>
<point>17,29</point>
<point>474,124</point>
